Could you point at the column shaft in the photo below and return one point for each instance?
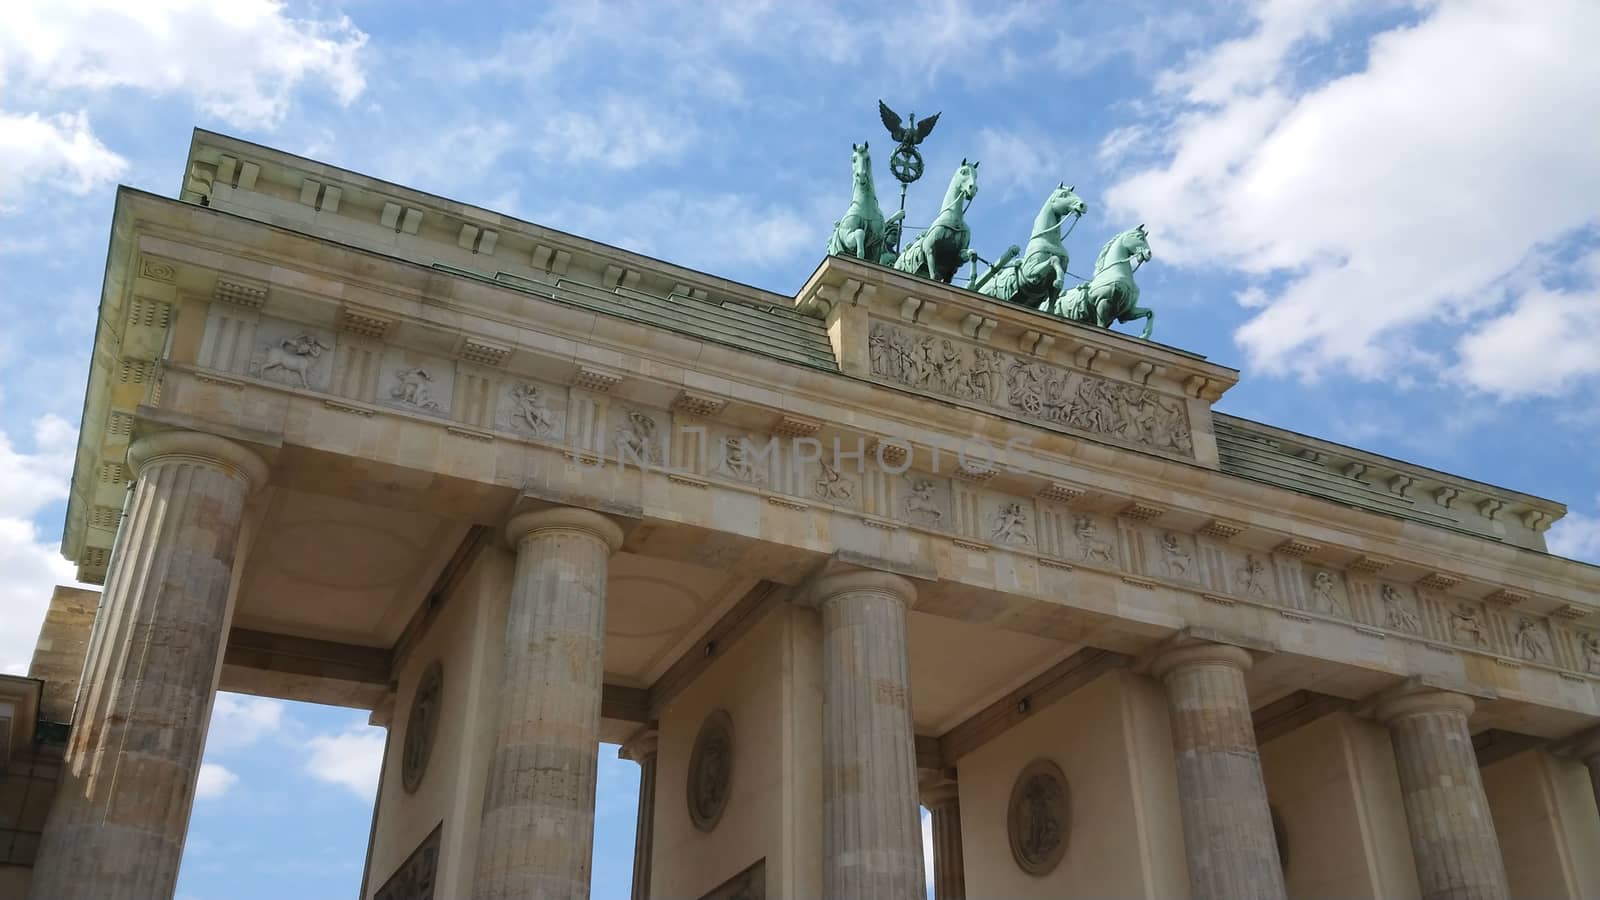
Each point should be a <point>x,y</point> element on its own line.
<point>117,829</point>
<point>1227,828</point>
<point>872,833</point>
<point>1592,763</point>
<point>538,805</point>
<point>1452,835</point>
<point>943,800</point>
<point>641,748</point>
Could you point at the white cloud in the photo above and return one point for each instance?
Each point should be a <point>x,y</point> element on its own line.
<point>1576,536</point>
<point>1544,344</point>
<point>61,151</point>
<point>1387,201</point>
<point>240,61</point>
<point>1019,163</point>
<point>240,720</point>
<point>616,132</point>
<point>214,781</point>
<point>351,760</point>
<point>30,567</point>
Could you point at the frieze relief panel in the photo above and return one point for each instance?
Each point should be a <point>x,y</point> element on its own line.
<point>527,407</point>
<point>416,382</point>
<point>292,354</point>
<point>1020,386</point>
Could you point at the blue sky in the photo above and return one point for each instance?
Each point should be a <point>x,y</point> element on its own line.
<point>1386,214</point>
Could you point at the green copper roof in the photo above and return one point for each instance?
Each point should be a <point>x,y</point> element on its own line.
<point>771,331</point>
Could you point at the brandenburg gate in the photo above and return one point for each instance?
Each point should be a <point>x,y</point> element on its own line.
<point>815,562</point>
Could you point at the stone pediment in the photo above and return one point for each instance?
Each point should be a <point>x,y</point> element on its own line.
<point>946,342</point>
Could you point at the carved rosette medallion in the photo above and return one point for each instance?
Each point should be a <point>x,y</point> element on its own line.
<point>421,725</point>
<point>1038,818</point>
<point>711,770</point>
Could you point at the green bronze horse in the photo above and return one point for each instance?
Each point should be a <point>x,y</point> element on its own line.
<point>1038,277</point>
<point>938,252</point>
<point>862,232</point>
<point>1110,296</point>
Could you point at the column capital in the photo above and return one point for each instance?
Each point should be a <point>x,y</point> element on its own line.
<point>641,746</point>
<point>197,446</point>
<point>855,580</point>
<point>1207,654</point>
<point>938,789</point>
<point>1423,703</point>
<point>565,518</point>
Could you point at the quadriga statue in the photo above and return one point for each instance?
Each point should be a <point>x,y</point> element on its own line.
<point>1110,296</point>
<point>1039,277</point>
<point>938,252</point>
<point>863,232</point>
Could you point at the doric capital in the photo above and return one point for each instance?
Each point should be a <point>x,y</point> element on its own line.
<point>1423,703</point>
<point>566,519</point>
<point>642,746</point>
<point>938,789</point>
<point>1193,655</point>
<point>858,581</point>
<point>198,447</point>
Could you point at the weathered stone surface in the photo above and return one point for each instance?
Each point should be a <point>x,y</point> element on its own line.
<point>641,748</point>
<point>63,645</point>
<point>117,829</point>
<point>538,807</point>
<point>1227,827</point>
<point>942,797</point>
<point>1452,834</point>
<point>872,835</point>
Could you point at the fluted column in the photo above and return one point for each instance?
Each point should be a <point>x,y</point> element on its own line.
<point>1587,750</point>
<point>538,803</point>
<point>872,828</point>
<point>641,748</point>
<point>117,827</point>
<point>1227,828</point>
<point>941,796</point>
<point>1452,835</point>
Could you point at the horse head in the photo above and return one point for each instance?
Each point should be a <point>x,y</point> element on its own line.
<point>861,164</point>
<point>964,184</point>
<point>1063,202</point>
<point>1130,245</point>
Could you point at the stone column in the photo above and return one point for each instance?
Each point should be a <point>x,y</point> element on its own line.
<point>538,803</point>
<point>871,818</point>
<point>1452,836</point>
<point>1227,828</point>
<point>943,800</point>
<point>121,813</point>
<point>641,748</point>
<point>1587,750</point>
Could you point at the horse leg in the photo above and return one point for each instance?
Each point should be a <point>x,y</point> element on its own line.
<point>1104,315</point>
<point>1148,315</point>
<point>859,239</point>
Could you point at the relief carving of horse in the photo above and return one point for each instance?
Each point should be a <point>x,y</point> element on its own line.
<point>938,252</point>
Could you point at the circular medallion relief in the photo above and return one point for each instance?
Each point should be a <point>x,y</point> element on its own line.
<point>421,724</point>
<point>1037,819</point>
<point>711,770</point>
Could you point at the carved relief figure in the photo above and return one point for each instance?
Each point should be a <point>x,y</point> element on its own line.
<point>414,385</point>
<point>1397,613</point>
<point>830,485</point>
<point>1253,576</point>
<point>530,408</point>
<point>1466,627</point>
<point>922,503</point>
<point>1035,389</point>
<point>1037,817</point>
<point>1011,525</point>
<point>636,438</point>
<point>294,357</point>
<point>1089,544</point>
<point>1325,596</point>
<point>1532,642</point>
<point>1591,652</point>
<point>1177,559</point>
<point>736,459</point>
